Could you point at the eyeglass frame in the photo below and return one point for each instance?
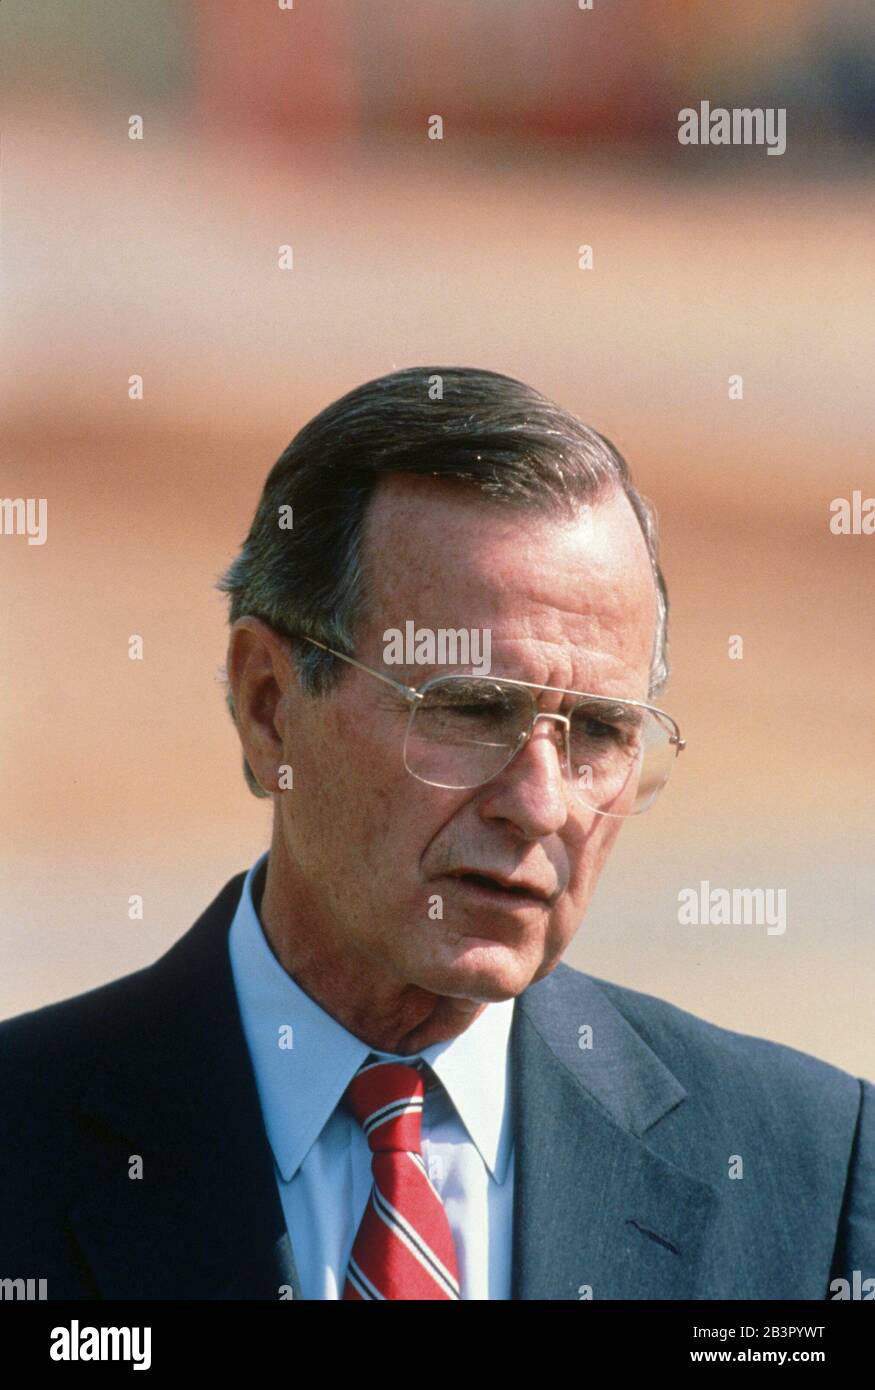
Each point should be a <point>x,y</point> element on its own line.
<point>411,693</point>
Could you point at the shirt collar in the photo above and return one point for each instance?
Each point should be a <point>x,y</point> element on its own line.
<point>323,1057</point>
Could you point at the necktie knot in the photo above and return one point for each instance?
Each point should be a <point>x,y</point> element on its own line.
<point>386,1099</point>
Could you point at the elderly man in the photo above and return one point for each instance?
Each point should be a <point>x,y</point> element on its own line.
<point>365,1072</point>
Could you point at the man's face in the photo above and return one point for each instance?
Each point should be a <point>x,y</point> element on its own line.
<point>569,604</point>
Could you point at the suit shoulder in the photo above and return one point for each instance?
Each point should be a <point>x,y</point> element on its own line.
<point>701,1053</point>
<point>52,1026</point>
<point>73,1033</point>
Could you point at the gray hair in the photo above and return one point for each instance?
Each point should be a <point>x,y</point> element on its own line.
<point>461,423</point>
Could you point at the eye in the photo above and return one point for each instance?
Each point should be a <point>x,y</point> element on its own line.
<point>607,726</point>
<point>604,733</point>
<point>470,709</point>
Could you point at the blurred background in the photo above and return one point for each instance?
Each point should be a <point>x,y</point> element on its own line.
<point>307,127</point>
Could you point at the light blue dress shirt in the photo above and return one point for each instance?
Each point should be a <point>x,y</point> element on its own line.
<point>321,1157</point>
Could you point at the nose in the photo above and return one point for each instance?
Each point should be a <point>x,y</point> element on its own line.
<point>532,791</point>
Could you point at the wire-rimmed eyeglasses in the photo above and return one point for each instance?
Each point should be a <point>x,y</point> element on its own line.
<point>464,730</point>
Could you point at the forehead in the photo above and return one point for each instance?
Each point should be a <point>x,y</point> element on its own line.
<point>442,554</point>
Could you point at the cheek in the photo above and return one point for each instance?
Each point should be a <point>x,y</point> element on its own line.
<point>354,801</point>
<point>594,851</point>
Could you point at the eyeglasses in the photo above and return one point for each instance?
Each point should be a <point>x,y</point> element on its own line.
<point>464,730</point>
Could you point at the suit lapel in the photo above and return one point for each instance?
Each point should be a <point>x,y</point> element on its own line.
<point>204,1220</point>
<point>597,1213</point>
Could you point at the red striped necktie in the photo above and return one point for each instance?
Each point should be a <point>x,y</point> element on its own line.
<point>404,1246</point>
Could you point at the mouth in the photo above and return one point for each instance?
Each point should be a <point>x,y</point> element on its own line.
<point>497,892</point>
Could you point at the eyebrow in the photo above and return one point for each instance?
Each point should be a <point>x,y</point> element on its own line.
<point>476,685</point>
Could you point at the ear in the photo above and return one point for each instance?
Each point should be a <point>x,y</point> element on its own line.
<point>259,673</point>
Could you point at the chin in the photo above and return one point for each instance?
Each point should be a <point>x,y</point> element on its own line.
<point>483,972</point>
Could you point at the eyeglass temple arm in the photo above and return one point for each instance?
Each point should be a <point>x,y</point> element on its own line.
<point>406,690</point>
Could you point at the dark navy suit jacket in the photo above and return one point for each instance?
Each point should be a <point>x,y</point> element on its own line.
<point>623,1150</point>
